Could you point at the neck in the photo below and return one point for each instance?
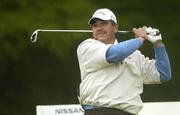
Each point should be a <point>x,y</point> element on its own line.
<point>110,41</point>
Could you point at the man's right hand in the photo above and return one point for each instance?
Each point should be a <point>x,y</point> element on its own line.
<point>140,33</point>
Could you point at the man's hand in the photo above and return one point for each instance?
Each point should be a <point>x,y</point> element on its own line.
<point>140,33</point>
<point>153,35</point>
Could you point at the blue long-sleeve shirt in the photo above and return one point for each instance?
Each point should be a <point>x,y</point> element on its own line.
<point>114,54</point>
<point>162,63</point>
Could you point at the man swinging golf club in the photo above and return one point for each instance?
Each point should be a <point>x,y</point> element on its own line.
<point>112,73</point>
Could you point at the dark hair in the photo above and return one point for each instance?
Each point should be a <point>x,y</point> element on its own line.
<point>113,23</point>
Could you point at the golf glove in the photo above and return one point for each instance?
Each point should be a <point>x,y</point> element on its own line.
<point>153,35</point>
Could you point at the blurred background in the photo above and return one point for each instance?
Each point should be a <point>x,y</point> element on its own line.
<point>47,72</point>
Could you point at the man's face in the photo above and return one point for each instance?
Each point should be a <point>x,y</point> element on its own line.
<point>104,31</point>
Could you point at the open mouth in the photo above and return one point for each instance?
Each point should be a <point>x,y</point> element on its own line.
<point>100,33</point>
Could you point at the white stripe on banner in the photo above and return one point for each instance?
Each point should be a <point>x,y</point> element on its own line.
<point>150,108</point>
<point>59,110</point>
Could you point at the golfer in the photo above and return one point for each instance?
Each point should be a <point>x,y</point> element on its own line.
<point>112,73</point>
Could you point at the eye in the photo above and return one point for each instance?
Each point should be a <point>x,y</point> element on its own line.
<point>104,22</point>
<point>94,25</point>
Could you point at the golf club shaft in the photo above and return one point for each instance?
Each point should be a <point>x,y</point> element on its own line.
<point>35,33</point>
<point>45,30</point>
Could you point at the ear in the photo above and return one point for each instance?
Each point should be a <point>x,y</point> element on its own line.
<point>116,28</point>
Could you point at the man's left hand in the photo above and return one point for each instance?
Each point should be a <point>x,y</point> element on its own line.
<point>153,35</point>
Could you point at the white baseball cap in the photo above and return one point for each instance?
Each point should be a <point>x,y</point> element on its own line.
<point>103,14</point>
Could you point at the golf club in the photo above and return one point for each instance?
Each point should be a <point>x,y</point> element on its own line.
<point>35,33</point>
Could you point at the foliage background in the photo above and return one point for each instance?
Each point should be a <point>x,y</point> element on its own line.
<point>47,72</point>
